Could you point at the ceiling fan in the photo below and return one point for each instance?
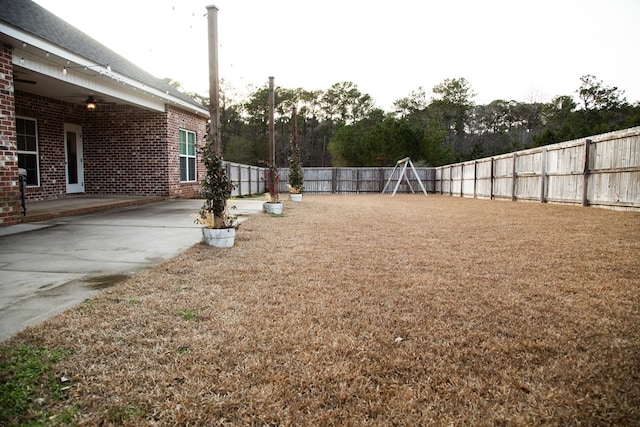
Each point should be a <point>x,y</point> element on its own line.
<point>17,79</point>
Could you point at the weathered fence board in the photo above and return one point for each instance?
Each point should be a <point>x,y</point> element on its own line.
<point>468,184</point>
<point>358,180</point>
<point>603,170</point>
<point>247,180</point>
<point>484,178</point>
<point>502,176</point>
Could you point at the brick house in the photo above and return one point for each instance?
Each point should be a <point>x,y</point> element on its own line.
<point>81,119</point>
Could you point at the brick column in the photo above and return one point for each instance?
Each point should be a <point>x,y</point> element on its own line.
<point>9,188</point>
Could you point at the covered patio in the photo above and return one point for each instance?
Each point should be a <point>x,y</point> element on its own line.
<point>83,120</point>
<point>42,210</point>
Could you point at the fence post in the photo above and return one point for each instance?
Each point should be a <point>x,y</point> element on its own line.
<point>475,179</point>
<point>334,180</point>
<point>491,180</point>
<point>239,180</point>
<point>585,174</point>
<point>462,180</point>
<point>433,178</point>
<point>514,178</point>
<point>543,174</point>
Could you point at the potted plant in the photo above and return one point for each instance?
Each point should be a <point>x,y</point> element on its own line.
<point>295,178</point>
<point>219,225</point>
<point>273,205</point>
<point>296,174</point>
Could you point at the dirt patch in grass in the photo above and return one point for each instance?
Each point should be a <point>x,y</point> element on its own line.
<point>371,310</point>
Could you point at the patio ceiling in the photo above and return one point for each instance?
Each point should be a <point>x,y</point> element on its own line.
<point>30,81</point>
<point>45,69</point>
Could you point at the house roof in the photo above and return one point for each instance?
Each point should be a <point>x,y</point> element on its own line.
<point>36,20</point>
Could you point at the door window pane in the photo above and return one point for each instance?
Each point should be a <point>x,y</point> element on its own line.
<point>72,158</point>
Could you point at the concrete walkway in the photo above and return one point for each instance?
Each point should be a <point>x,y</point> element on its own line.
<point>48,266</point>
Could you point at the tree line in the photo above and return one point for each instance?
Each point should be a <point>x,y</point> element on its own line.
<point>342,126</point>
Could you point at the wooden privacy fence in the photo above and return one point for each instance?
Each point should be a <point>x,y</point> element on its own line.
<point>357,180</point>
<point>603,170</point>
<point>247,180</point>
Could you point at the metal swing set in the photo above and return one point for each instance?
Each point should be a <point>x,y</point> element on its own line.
<point>404,163</point>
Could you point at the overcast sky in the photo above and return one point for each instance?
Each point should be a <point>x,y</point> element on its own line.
<point>507,49</point>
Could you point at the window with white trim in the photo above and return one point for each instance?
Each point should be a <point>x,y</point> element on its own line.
<point>27,149</point>
<point>187,156</point>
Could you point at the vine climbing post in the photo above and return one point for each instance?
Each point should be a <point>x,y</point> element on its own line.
<point>272,125</point>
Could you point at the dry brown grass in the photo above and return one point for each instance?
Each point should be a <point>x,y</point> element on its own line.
<point>372,310</point>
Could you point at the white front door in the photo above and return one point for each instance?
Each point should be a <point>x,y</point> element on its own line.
<point>73,158</point>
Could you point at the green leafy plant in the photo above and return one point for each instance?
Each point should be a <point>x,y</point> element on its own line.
<point>295,174</point>
<point>215,190</point>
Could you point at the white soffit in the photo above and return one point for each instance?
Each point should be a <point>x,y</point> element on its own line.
<point>42,57</point>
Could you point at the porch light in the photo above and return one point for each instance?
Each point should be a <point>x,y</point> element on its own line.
<point>91,104</point>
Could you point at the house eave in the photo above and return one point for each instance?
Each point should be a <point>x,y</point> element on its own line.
<point>40,56</point>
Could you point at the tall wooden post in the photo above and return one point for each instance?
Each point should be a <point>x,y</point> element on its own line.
<point>272,125</point>
<point>214,90</point>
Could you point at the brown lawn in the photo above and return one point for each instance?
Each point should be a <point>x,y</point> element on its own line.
<point>371,310</point>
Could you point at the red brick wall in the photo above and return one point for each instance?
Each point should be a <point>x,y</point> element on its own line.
<point>179,119</point>
<point>50,115</point>
<point>9,189</point>
<point>133,151</point>
<point>127,150</point>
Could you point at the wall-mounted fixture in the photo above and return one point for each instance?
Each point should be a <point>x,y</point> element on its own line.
<point>91,103</point>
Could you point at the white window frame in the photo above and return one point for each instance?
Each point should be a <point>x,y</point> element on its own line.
<point>187,156</point>
<point>35,153</point>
